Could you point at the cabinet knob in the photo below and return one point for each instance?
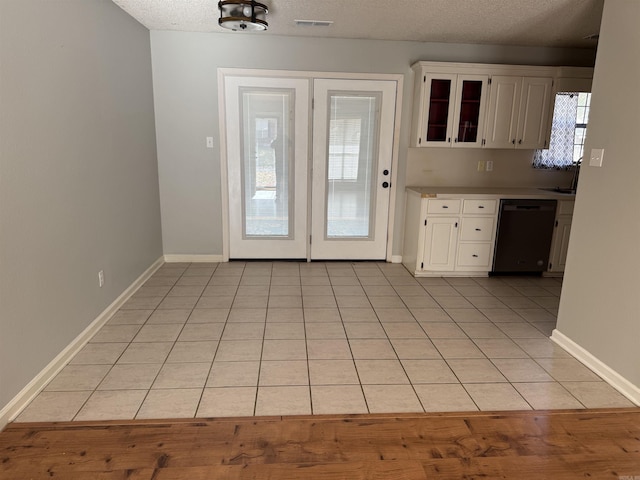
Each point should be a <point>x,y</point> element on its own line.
<point>385,172</point>
<point>385,184</point>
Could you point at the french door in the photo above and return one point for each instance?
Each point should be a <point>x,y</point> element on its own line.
<point>353,126</point>
<point>293,197</point>
<point>267,121</point>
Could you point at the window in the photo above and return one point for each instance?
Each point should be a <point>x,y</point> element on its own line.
<point>344,148</point>
<point>568,132</point>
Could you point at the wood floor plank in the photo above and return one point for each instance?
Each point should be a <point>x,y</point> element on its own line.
<point>555,444</point>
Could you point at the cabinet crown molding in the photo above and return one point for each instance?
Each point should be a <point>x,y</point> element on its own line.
<point>503,69</point>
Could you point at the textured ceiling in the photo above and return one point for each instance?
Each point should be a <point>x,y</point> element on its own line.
<point>552,23</point>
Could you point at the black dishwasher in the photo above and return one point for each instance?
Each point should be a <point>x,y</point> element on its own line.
<point>523,241</point>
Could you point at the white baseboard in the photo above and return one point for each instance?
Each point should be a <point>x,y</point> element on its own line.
<point>396,258</point>
<point>193,258</point>
<point>10,411</point>
<point>613,378</point>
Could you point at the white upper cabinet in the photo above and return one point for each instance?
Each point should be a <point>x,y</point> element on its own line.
<point>519,112</point>
<point>450,111</point>
<point>471,105</point>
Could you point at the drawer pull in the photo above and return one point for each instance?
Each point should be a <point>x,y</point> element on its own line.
<point>480,206</point>
<point>474,255</point>
<point>478,229</point>
<point>445,206</point>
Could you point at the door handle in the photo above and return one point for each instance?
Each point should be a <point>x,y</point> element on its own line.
<point>385,184</point>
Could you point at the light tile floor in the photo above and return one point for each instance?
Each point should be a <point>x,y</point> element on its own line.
<point>274,338</point>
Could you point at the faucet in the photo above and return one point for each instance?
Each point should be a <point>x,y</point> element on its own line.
<point>576,172</point>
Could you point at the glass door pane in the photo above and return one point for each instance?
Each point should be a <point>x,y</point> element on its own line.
<point>469,111</point>
<point>351,164</point>
<point>266,167</point>
<point>439,99</point>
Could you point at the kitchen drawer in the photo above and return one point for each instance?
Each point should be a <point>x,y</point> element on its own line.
<point>444,206</point>
<point>480,206</point>
<point>565,208</point>
<point>474,255</point>
<point>477,229</point>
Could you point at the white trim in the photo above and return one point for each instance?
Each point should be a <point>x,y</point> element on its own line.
<point>613,378</point>
<point>394,168</point>
<point>224,175</point>
<point>256,72</point>
<point>396,258</point>
<point>12,409</point>
<point>194,258</point>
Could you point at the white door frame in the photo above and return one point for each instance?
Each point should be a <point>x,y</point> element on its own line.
<point>223,72</point>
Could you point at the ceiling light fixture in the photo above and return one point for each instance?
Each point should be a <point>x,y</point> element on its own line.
<point>243,15</point>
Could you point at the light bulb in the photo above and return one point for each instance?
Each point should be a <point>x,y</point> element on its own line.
<point>246,11</point>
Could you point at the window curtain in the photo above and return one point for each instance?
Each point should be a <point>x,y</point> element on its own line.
<point>559,155</point>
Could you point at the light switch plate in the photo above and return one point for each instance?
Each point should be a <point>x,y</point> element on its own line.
<point>597,154</point>
<point>209,142</point>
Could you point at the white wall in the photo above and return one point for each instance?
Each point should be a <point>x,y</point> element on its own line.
<point>186,106</point>
<point>600,305</point>
<point>78,173</point>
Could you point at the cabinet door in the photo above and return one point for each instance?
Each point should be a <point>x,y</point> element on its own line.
<point>440,241</point>
<point>502,114</point>
<point>560,244</point>
<point>535,109</point>
<point>437,110</point>
<point>470,105</point>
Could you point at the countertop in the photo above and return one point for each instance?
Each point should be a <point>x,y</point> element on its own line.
<point>501,192</point>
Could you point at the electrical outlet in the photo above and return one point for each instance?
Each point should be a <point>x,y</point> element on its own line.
<point>209,142</point>
<point>489,166</point>
<point>101,278</point>
<point>481,166</point>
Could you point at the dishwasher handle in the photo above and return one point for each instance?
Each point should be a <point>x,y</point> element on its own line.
<point>513,208</point>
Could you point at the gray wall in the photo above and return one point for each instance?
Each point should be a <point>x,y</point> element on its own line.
<point>78,173</point>
<point>600,306</point>
<point>185,92</point>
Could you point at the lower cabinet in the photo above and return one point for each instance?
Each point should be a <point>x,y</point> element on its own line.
<point>439,245</point>
<point>560,241</point>
<point>449,236</point>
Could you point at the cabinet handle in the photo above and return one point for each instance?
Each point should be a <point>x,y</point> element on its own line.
<point>456,225</point>
<point>445,206</point>
<point>513,141</point>
<point>520,142</point>
<point>480,206</point>
<point>478,230</point>
<point>456,140</point>
<point>474,255</point>
<point>449,140</point>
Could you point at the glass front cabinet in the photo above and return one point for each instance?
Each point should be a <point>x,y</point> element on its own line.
<point>451,110</point>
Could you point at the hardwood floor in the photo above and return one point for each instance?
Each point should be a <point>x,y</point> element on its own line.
<point>522,445</point>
